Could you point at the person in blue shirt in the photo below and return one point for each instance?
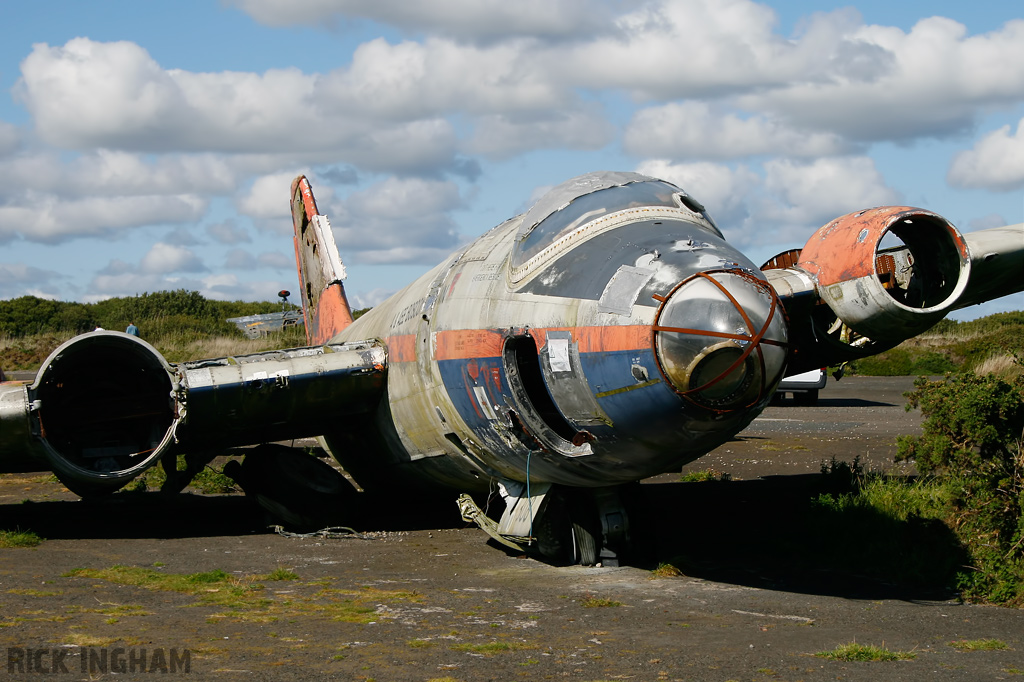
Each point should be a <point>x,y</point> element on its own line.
<point>132,329</point>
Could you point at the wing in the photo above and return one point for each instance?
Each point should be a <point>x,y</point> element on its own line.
<point>105,406</point>
<point>869,280</point>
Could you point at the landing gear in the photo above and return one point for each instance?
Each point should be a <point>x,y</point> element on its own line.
<point>587,526</point>
<point>590,528</point>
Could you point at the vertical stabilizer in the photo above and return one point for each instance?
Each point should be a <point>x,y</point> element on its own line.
<point>320,269</point>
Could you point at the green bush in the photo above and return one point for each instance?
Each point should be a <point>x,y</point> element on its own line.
<point>181,312</point>
<point>972,444</point>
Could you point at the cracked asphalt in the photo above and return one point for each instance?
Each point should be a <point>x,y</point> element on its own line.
<point>417,595</point>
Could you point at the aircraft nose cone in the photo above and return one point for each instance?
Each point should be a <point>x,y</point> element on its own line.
<point>720,339</point>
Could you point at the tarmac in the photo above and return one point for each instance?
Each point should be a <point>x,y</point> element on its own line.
<point>413,593</point>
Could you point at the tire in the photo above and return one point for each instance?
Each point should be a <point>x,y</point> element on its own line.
<point>587,545</point>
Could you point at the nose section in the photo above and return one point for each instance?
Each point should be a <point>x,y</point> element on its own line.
<point>720,339</point>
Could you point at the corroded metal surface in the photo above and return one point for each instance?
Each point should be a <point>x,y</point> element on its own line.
<point>320,268</point>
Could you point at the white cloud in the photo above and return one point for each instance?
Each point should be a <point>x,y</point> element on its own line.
<point>419,80</point>
<point>221,287</point>
<point>468,19</point>
<point>696,130</point>
<point>397,221</point>
<point>239,259</point>
<point>807,195</point>
<point>163,258</point>
<point>368,299</point>
<point>10,139</point>
<point>228,232</point>
<point>936,79</point>
<point>47,220</point>
<point>268,197</point>
<point>18,279</point>
<point>996,162</point>
<point>502,135</point>
<point>114,95</point>
<point>788,203</point>
<point>723,191</point>
<point>103,172</point>
<point>181,237</point>
<point>278,260</point>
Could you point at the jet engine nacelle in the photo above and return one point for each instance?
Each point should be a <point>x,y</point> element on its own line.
<point>869,280</point>
<point>106,406</point>
<point>888,273</point>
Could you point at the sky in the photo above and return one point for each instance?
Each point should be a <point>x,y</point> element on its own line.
<point>151,146</point>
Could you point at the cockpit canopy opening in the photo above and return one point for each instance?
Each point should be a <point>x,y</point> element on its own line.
<point>587,198</point>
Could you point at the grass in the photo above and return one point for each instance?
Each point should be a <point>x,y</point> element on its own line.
<point>865,652</point>
<point>281,574</point>
<point>988,344</point>
<point>29,352</point>
<point>667,570</point>
<point>34,593</point>
<point>207,480</point>
<point>212,587</point>
<point>489,648</point>
<point>704,476</point>
<point>591,602</point>
<point>244,599</point>
<point>18,538</point>
<point>979,645</point>
<point>83,640</point>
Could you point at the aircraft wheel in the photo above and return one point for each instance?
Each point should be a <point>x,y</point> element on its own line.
<point>551,528</point>
<point>296,489</point>
<point>587,545</point>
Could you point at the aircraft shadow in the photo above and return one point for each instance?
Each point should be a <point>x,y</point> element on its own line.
<point>775,533</point>
<point>833,402</point>
<point>137,515</point>
<point>852,402</point>
<point>767,533</point>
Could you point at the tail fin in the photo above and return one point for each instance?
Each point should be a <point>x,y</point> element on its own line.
<point>320,269</point>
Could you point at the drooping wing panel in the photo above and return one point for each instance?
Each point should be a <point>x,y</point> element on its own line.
<point>105,406</point>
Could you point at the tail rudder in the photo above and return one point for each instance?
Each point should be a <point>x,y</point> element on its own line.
<point>321,271</point>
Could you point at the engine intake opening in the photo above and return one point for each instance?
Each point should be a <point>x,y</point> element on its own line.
<point>103,409</point>
<point>918,263</point>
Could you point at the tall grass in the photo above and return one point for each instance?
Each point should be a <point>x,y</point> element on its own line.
<point>986,345</point>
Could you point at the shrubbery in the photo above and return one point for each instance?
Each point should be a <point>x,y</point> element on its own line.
<point>973,446</point>
<point>157,313</point>
<point>182,325</point>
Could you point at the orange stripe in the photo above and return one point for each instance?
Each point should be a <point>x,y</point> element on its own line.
<point>401,348</point>
<point>613,338</point>
<point>463,344</point>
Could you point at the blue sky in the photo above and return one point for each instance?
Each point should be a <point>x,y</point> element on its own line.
<point>146,146</point>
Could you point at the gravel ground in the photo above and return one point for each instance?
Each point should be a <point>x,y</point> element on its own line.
<point>416,595</point>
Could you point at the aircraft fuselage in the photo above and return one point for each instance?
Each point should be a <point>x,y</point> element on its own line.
<point>574,357</point>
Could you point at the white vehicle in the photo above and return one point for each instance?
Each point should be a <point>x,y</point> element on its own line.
<point>804,386</point>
